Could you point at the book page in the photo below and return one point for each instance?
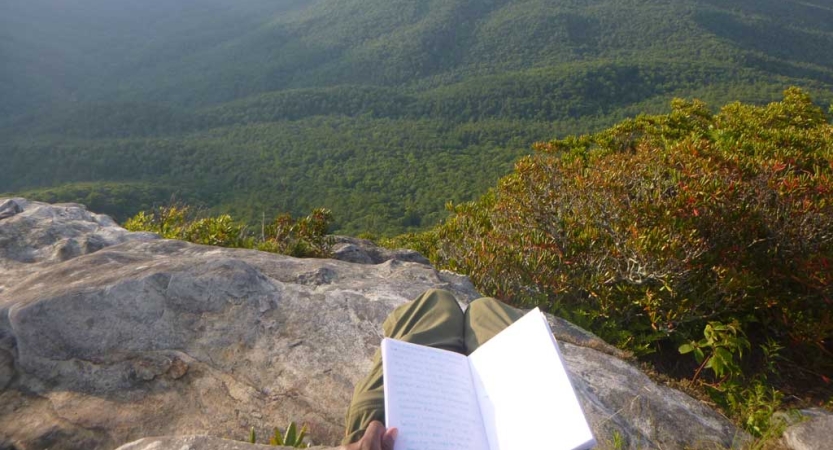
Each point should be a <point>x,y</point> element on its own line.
<point>429,397</point>
<point>524,392</point>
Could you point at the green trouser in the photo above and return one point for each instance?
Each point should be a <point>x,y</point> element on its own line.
<point>433,319</point>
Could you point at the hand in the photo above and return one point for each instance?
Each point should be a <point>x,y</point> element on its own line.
<point>376,437</point>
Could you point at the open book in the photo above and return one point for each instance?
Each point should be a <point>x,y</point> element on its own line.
<point>512,393</point>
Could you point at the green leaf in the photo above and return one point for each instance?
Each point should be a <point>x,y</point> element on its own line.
<point>698,355</point>
<point>685,348</point>
<point>300,439</point>
<point>717,364</point>
<point>277,437</point>
<point>289,438</point>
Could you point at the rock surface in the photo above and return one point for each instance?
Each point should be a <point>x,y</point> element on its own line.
<point>362,251</point>
<point>198,443</point>
<point>107,337</point>
<point>34,235</point>
<point>814,433</point>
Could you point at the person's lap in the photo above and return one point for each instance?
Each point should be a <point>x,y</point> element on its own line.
<point>433,319</point>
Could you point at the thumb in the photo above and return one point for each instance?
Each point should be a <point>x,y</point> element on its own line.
<point>388,438</point>
<point>372,439</point>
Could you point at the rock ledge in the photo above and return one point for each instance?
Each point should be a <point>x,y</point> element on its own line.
<point>108,336</point>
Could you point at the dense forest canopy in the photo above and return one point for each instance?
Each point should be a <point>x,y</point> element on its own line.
<point>380,110</point>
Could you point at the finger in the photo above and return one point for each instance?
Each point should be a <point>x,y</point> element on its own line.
<point>388,438</point>
<point>372,439</point>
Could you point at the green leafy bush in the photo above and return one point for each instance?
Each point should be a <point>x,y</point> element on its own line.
<point>303,237</point>
<point>664,226</point>
<point>221,231</point>
<point>166,221</point>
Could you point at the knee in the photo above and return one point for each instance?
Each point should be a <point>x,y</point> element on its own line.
<point>438,299</point>
<point>435,311</point>
<point>433,303</point>
<point>484,304</point>
<point>491,307</point>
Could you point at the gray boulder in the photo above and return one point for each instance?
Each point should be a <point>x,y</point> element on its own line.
<point>35,235</point>
<point>9,208</point>
<point>363,251</point>
<point>138,336</point>
<point>814,432</point>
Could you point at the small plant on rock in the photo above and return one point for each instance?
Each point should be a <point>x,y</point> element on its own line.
<point>293,437</point>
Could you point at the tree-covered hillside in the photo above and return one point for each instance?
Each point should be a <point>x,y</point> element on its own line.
<point>381,110</point>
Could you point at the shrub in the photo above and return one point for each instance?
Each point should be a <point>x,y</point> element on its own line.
<point>654,230</point>
<point>221,231</point>
<point>166,221</point>
<point>303,237</point>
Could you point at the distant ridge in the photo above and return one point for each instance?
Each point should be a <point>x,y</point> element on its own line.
<point>381,110</point>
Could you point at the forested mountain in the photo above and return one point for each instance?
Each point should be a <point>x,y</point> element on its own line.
<point>381,110</point>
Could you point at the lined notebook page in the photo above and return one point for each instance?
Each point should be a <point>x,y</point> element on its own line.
<point>526,398</point>
<point>429,397</point>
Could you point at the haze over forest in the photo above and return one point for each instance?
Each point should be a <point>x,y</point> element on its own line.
<point>380,110</point>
